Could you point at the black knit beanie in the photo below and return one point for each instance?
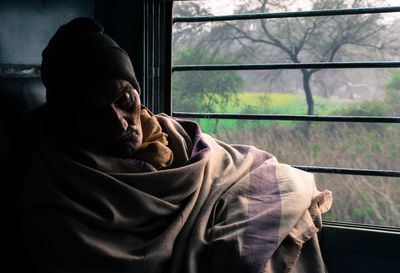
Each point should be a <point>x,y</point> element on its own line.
<point>80,55</point>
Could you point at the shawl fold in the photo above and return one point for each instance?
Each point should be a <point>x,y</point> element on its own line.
<point>217,208</point>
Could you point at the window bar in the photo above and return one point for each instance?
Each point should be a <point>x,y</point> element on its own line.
<point>331,65</point>
<point>349,171</point>
<point>358,226</point>
<point>317,118</point>
<point>276,66</point>
<point>289,14</point>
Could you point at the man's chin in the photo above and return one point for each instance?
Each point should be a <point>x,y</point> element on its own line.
<point>125,149</point>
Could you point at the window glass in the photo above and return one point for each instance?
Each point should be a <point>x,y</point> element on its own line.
<point>326,144</point>
<point>362,199</point>
<point>227,7</point>
<point>343,92</point>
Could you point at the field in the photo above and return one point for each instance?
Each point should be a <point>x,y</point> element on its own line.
<point>361,199</point>
<point>272,103</point>
<point>278,103</point>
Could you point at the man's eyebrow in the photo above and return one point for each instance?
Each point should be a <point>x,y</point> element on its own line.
<point>125,89</point>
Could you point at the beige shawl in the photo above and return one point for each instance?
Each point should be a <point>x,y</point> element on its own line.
<point>218,208</point>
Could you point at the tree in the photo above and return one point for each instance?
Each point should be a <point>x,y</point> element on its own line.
<point>393,93</point>
<point>307,39</point>
<point>203,91</point>
<point>200,91</point>
<point>184,35</point>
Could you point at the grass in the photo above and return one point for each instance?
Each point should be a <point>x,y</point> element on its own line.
<point>267,103</point>
<point>360,199</point>
<point>277,103</point>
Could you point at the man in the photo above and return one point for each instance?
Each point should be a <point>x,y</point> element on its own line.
<point>114,188</point>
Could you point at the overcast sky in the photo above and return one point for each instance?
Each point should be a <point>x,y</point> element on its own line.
<point>227,6</point>
<point>223,7</point>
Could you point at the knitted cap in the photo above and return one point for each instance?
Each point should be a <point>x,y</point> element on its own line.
<point>80,55</point>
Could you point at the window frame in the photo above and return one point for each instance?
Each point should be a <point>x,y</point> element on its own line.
<point>309,118</point>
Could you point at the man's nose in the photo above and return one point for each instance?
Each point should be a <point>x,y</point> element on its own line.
<point>119,120</point>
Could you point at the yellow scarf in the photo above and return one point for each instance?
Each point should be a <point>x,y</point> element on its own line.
<point>154,148</point>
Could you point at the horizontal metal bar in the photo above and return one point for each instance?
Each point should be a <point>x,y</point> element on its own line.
<point>369,119</point>
<point>19,70</point>
<point>288,14</point>
<point>349,171</point>
<point>359,226</point>
<point>275,66</point>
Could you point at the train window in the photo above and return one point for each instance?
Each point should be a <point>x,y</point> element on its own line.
<point>317,84</point>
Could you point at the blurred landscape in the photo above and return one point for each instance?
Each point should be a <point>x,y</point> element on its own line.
<point>342,92</point>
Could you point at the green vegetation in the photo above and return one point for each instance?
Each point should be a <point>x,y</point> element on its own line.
<point>370,200</point>
<point>312,39</point>
<point>392,99</point>
<point>266,103</point>
<point>276,103</point>
<point>192,89</point>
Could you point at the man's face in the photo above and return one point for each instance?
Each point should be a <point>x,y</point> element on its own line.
<point>109,117</point>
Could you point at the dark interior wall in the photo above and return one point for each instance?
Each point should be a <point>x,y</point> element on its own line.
<point>27,25</point>
<point>360,250</point>
<point>123,21</point>
<point>25,28</point>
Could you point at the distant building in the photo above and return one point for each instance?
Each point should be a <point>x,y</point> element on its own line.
<point>357,91</point>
